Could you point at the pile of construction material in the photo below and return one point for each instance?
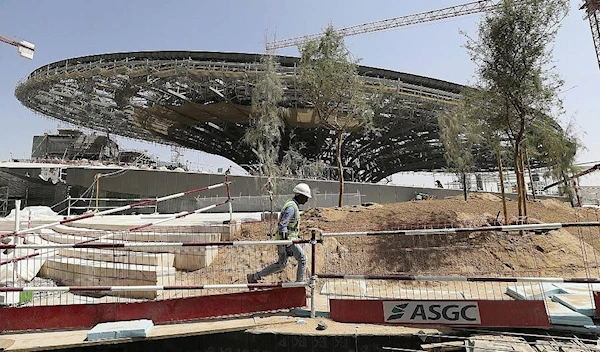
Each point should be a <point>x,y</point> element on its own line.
<point>570,306</point>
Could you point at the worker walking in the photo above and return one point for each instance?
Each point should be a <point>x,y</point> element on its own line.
<point>288,229</point>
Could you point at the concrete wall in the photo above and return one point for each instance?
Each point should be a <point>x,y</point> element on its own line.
<point>247,191</point>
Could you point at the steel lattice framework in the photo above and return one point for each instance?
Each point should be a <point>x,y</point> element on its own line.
<point>391,23</point>
<point>592,9</point>
<point>201,101</point>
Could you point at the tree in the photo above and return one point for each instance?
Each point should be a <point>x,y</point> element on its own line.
<point>460,132</point>
<point>558,147</point>
<point>329,76</point>
<point>264,133</point>
<point>515,72</point>
<point>266,130</point>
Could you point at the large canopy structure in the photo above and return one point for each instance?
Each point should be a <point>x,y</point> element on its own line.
<point>201,101</point>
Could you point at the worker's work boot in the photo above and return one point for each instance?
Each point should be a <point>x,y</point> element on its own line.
<point>251,279</point>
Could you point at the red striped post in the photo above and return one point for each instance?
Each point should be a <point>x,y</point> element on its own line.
<point>114,210</point>
<point>176,216</point>
<point>114,245</point>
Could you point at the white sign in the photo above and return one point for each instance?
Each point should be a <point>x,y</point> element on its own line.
<point>431,312</point>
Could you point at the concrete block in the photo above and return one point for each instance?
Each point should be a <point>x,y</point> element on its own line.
<point>235,230</point>
<point>195,258</point>
<point>81,272</point>
<point>582,302</point>
<point>119,256</point>
<point>167,237</point>
<point>562,315</point>
<point>120,329</point>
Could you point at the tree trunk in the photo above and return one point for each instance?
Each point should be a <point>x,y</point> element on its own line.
<point>518,178</point>
<point>502,186</point>
<point>568,190</point>
<point>522,166</point>
<point>340,168</point>
<point>464,182</point>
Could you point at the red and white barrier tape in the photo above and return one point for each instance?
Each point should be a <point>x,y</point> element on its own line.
<point>150,287</point>
<point>114,210</point>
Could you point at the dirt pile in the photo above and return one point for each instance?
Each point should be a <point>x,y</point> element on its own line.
<point>567,252</point>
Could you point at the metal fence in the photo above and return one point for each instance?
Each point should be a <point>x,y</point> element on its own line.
<point>128,262</point>
<point>94,259</point>
<point>68,265</point>
<point>554,262</point>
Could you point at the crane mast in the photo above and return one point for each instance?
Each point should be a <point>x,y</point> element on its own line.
<point>592,9</point>
<point>434,15</point>
<point>26,49</point>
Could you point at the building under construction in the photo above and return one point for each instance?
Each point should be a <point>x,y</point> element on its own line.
<point>202,101</point>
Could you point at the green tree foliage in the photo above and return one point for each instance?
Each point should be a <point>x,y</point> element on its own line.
<point>329,76</point>
<point>558,148</point>
<point>266,130</point>
<point>517,84</point>
<point>460,133</point>
<point>264,134</point>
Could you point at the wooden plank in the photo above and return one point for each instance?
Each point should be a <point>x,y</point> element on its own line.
<point>444,346</point>
<point>486,343</point>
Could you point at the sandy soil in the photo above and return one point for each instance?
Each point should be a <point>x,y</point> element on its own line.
<point>571,252</point>
<point>563,252</point>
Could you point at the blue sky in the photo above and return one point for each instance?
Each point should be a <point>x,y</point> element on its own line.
<point>63,29</point>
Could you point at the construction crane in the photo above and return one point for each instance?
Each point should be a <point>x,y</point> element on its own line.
<point>592,9</point>
<point>585,172</point>
<point>26,49</point>
<point>434,15</point>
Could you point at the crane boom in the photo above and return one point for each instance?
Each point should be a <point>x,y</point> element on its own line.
<point>26,49</point>
<point>592,9</point>
<point>584,172</point>
<point>434,15</point>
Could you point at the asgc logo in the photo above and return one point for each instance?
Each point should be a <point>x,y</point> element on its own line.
<point>398,311</point>
<point>447,312</point>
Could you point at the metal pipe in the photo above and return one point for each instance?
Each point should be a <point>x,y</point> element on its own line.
<point>398,277</point>
<point>447,231</point>
<point>148,288</point>
<point>124,244</point>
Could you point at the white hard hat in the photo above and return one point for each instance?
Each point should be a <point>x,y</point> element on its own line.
<point>302,188</point>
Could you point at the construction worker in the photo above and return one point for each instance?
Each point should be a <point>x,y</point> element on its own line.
<point>288,229</point>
